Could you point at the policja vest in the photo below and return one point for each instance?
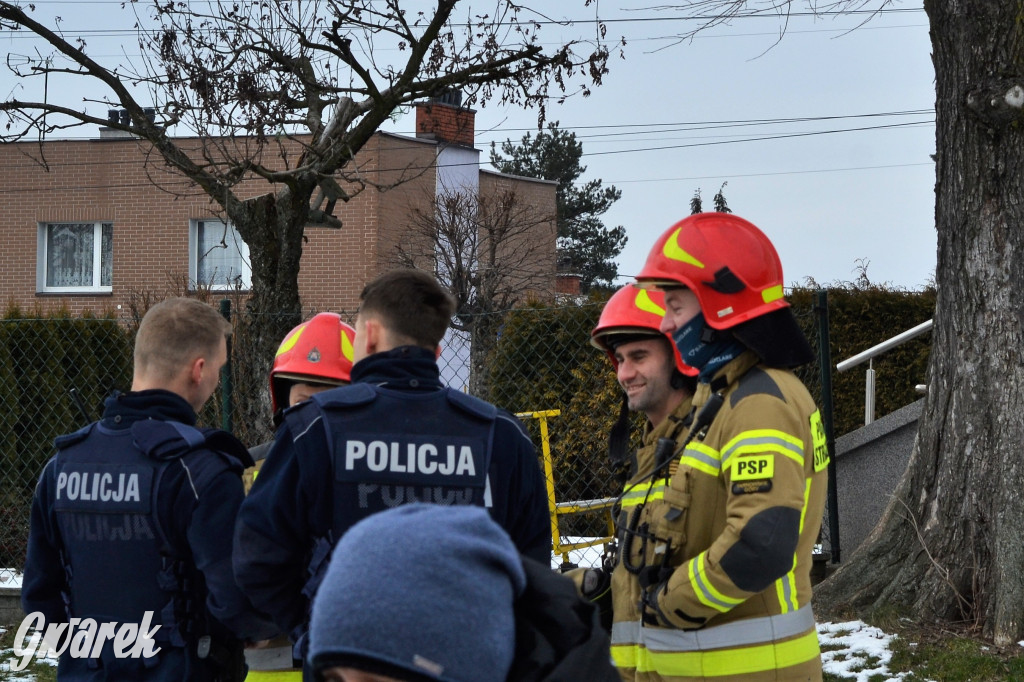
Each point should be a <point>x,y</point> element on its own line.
<point>713,578</point>
<point>119,560</point>
<point>390,447</point>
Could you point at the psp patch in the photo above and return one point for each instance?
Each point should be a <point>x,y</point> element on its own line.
<point>753,474</point>
<point>754,467</point>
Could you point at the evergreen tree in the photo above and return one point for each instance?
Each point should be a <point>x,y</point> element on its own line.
<point>585,244</point>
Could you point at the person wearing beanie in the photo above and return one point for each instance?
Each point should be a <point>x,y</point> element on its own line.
<point>420,592</point>
<point>429,593</point>
<point>719,559</point>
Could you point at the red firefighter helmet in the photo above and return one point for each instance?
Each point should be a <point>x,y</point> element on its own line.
<point>633,312</point>
<point>318,351</point>
<point>725,260</point>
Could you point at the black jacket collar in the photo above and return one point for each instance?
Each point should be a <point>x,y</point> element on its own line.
<point>409,367</point>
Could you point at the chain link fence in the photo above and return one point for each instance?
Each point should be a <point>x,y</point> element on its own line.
<point>54,375</point>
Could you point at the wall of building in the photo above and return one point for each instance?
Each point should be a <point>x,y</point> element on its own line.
<point>113,180</point>
<point>110,180</point>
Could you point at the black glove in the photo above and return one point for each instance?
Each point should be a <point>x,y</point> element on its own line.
<point>650,612</point>
<point>226,657</point>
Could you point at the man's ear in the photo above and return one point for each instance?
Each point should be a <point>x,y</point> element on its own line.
<point>196,369</point>
<point>374,337</point>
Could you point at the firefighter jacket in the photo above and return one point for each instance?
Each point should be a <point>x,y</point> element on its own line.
<point>395,435</point>
<point>130,517</point>
<point>713,576</point>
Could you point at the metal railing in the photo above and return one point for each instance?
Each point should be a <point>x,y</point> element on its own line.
<point>869,355</point>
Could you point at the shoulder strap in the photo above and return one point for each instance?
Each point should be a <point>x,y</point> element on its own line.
<point>471,404</point>
<point>165,439</point>
<point>347,396</point>
<point>70,439</point>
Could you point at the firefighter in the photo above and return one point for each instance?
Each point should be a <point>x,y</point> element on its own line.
<point>654,381</point>
<point>129,518</point>
<point>395,435</point>
<point>648,367</point>
<point>719,558</point>
<point>313,357</point>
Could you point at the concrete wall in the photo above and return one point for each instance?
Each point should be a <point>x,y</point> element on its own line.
<point>10,607</point>
<point>869,463</point>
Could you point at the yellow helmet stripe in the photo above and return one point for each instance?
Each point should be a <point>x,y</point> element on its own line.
<point>675,252</point>
<point>643,302</point>
<point>772,293</point>
<point>346,347</point>
<point>290,340</point>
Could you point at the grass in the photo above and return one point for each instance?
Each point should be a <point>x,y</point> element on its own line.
<point>955,659</point>
<point>926,654</point>
<point>40,672</point>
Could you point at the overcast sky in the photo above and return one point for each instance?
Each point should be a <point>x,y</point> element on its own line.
<point>674,116</point>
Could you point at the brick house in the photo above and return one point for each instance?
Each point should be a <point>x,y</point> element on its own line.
<point>100,223</point>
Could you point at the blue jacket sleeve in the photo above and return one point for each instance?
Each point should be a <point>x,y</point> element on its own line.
<point>527,518</point>
<point>285,510</point>
<point>209,532</point>
<point>44,584</point>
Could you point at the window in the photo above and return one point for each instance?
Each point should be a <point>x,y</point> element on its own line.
<point>75,257</point>
<point>218,257</point>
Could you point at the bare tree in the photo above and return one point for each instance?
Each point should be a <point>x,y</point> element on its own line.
<point>491,251</point>
<point>949,547</point>
<point>287,93</point>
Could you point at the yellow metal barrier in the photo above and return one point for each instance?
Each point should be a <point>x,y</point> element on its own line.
<point>557,509</point>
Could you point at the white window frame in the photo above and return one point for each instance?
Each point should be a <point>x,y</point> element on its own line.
<point>193,259</point>
<point>42,233</point>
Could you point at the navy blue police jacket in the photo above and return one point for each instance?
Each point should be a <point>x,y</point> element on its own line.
<point>395,435</point>
<point>133,514</point>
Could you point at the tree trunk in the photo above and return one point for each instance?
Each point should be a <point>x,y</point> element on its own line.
<point>273,225</point>
<point>483,335</point>
<point>950,546</point>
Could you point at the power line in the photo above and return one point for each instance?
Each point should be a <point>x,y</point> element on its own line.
<point>710,125</point>
<point>543,22</point>
<point>619,151</point>
<point>730,176</point>
<point>760,139</point>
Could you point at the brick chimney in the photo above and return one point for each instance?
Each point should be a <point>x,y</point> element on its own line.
<point>567,284</point>
<point>444,119</point>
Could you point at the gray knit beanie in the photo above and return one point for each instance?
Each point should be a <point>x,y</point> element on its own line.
<point>420,592</point>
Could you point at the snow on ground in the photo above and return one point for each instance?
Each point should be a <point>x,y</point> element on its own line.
<point>9,577</point>
<point>857,651</point>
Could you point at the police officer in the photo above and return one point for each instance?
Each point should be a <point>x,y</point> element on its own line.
<point>720,558</point>
<point>130,517</point>
<point>395,435</point>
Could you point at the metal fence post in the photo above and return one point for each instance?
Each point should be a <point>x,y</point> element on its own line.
<point>226,388</point>
<point>825,359</point>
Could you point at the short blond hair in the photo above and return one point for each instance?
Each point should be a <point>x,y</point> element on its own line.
<point>176,331</point>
